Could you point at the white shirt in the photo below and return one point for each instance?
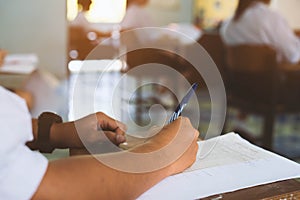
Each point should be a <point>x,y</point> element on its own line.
<point>21,170</point>
<point>136,17</point>
<point>261,25</point>
<point>81,21</point>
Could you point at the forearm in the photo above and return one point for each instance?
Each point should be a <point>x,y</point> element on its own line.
<point>87,178</point>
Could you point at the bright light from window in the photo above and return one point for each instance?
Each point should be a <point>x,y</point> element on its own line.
<point>72,9</point>
<point>101,11</point>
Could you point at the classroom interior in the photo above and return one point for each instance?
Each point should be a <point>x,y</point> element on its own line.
<point>73,86</point>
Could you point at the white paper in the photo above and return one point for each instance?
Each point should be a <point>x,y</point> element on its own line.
<point>15,59</point>
<point>17,69</point>
<point>231,164</point>
<point>19,63</point>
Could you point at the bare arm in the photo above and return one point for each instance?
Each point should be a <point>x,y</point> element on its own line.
<point>84,177</point>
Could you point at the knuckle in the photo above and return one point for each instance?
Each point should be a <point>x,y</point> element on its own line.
<point>186,120</point>
<point>196,132</point>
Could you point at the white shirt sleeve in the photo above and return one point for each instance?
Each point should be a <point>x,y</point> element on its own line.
<point>283,38</point>
<point>21,170</point>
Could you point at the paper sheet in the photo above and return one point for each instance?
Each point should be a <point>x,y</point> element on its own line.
<point>19,63</point>
<point>224,164</point>
<point>17,69</point>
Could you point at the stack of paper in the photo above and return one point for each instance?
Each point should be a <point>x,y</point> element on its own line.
<point>224,164</point>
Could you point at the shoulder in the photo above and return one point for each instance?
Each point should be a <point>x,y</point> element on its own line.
<point>13,112</point>
<point>266,11</point>
<point>224,26</point>
<point>22,168</point>
<point>9,98</point>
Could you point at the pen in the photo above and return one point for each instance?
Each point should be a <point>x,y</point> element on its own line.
<point>183,103</point>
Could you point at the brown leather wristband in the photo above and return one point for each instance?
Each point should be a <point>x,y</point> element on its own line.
<point>45,121</point>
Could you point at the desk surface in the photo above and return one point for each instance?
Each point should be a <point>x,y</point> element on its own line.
<point>288,189</point>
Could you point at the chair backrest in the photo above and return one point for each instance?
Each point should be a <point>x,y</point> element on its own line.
<point>79,42</point>
<point>252,72</point>
<point>213,44</point>
<point>159,57</point>
<point>251,58</point>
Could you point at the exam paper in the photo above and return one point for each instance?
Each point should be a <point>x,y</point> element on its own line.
<point>224,164</point>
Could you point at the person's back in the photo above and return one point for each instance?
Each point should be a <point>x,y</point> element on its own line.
<point>255,23</point>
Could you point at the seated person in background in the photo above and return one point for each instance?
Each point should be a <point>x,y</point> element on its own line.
<point>81,21</point>
<point>26,174</point>
<point>22,93</point>
<point>255,23</point>
<point>136,15</point>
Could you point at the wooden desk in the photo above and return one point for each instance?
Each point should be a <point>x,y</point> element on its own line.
<point>12,79</point>
<point>288,189</point>
<point>16,69</point>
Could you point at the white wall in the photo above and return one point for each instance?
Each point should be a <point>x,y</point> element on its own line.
<point>36,26</point>
<point>290,9</point>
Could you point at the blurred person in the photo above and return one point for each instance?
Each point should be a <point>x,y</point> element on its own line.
<point>26,174</point>
<point>255,23</point>
<point>136,15</point>
<point>80,21</point>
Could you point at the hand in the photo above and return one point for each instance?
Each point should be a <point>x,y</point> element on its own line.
<point>181,135</point>
<point>91,129</point>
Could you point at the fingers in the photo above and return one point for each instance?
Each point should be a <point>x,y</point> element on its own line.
<point>113,129</point>
<point>107,123</point>
<point>115,138</point>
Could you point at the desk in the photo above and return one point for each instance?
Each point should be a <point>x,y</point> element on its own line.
<point>288,189</point>
<point>16,69</point>
<point>225,164</point>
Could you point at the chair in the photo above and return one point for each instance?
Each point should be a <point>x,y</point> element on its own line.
<point>213,44</point>
<point>158,57</point>
<point>253,86</point>
<point>78,43</point>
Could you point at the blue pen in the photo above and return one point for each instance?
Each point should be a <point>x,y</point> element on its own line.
<point>183,103</point>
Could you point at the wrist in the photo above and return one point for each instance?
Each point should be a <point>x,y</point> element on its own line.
<point>45,122</point>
